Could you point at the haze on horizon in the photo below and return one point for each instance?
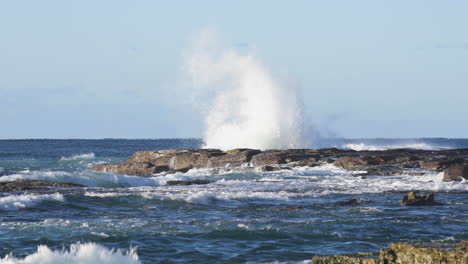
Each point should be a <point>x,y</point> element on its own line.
<point>113,69</point>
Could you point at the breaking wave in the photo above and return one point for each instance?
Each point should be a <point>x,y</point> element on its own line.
<point>17,202</point>
<point>77,254</point>
<point>80,156</point>
<point>371,147</point>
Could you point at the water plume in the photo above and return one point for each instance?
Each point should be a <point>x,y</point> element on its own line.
<point>249,108</point>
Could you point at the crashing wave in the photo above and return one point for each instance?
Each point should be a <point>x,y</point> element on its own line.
<point>78,253</point>
<point>17,202</point>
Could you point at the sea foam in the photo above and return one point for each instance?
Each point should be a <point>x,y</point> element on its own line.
<point>80,156</point>
<point>251,108</point>
<point>17,202</point>
<point>373,147</point>
<point>77,254</point>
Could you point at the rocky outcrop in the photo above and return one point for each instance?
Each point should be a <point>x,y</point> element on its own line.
<point>26,185</point>
<point>405,253</point>
<point>412,199</point>
<point>456,173</point>
<point>374,163</point>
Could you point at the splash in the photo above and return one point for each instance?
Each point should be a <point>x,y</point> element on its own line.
<point>17,202</point>
<point>78,253</point>
<point>250,109</point>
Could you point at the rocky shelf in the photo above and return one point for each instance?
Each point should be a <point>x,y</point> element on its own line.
<point>405,253</point>
<point>454,163</point>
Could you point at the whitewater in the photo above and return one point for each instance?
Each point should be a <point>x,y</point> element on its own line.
<point>243,217</point>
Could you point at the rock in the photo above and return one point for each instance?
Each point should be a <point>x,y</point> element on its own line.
<point>233,158</point>
<point>456,173</point>
<point>193,182</point>
<point>24,185</point>
<point>348,203</point>
<point>277,157</point>
<point>440,164</point>
<point>139,169</point>
<point>269,168</point>
<point>405,253</point>
<point>412,199</point>
<point>375,163</point>
<point>351,162</point>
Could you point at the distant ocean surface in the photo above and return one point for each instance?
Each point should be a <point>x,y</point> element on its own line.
<point>240,218</point>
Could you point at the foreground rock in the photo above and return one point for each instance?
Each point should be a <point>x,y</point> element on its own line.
<point>456,173</point>
<point>412,199</point>
<point>405,253</point>
<point>375,163</point>
<point>25,185</point>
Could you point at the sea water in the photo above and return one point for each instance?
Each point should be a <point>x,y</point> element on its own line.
<point>239,218</point>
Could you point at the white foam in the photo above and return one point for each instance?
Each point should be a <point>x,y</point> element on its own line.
<point>251,108</point>
<point>106,194</point>
<point>80,156</point>
<point>291,186</point>
<point>87,253</point>
<point>86,178</point>
<point>374,147</point>
<point>17,202</point>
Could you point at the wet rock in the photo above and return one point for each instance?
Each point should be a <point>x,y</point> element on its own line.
<point>24,185</point>
<point>350,162</point>
<point>412,199</point>
<point>456,173</point>
<point>440,164</point>
<point>277,157</point>
<point>233,158</point>
<point>139,169</point>
<point>375,163</point>
<point>348,203</point>
<point>193,182</point>
<point>405,253</point>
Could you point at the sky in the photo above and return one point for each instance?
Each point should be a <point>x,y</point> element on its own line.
<point>114,69</point>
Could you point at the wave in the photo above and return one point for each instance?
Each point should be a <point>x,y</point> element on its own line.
<point>87,178</point>
<point>77,254</point>
<point>80,156</point>
<point>17,202</point>
<point>373,147</point>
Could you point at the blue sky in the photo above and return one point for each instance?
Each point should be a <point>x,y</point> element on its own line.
<point>95,69</point>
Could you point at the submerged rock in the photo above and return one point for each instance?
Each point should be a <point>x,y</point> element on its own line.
<point>348,203</point>
<point>405,253</point>
<point>412,199</point>
<point>193,182</point>
<point>25,185</point>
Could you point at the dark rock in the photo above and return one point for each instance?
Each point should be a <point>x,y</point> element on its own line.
<point>348,203</point>
<point>412,199</point>
<point>456,173</point>
<point>193,182</point>
<point>24,185</point>
<point>233,158</point>
<point>269,168</point>
<point>375,163</point>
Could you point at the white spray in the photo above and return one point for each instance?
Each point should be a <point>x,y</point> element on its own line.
<point>250,108</point>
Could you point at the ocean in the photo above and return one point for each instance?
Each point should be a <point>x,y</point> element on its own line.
<point>244,217</point>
